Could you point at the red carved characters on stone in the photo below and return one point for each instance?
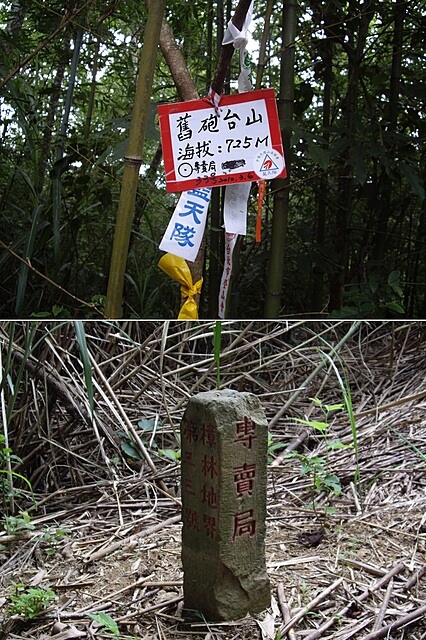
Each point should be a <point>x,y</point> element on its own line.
<point>244,432</point>
<point>209,497</point>
<point>210,525</point>
<point>244,525</point>
<point>190,431</point>
<point>190,519</point>
<point>209,466</point>
<point>244,479</point>
<point>208,435</point>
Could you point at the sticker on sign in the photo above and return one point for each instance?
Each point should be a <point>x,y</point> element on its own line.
<point>238,142</point>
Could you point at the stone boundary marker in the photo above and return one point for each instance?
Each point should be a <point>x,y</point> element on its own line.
<point>224,440</point>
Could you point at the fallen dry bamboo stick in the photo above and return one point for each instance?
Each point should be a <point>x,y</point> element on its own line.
<point>385,631</point>
<point>413,580</point>
<point>375,571</point>
<point>123,541</point>
<point>289,625</point>
<point>383,607</point>
<point>390,405</point>
<point>142,582</point>
<point>159,605</point>
<point>126,423</point>
<point>364,595</point>
<point>284,609</point>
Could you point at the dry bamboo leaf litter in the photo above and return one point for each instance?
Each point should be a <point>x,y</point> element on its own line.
<point>150,375</point>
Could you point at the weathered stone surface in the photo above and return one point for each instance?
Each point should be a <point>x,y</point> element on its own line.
<point>224,457</point>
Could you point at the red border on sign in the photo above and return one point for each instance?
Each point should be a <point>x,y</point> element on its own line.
<point>165,110</point>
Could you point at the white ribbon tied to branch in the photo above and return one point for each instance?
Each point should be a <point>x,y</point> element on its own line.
<point>240,40</point>
<point>236,195</point>
<point>235,36</point>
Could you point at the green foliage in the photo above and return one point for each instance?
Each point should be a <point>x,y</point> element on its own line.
<point>150,438</point>
<point>318,467</point>
<point>357,185</point>
<point>15,524</point>
<point>106,622</point>
<point>7,488</point>
<point>379,297</point>
<point>85,358</point>
<point>53,537</point>
<point>30,602</point>
<point>347,400</point>
<point>273,447</point>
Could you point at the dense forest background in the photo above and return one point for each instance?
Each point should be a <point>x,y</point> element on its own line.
<point>345,232</point>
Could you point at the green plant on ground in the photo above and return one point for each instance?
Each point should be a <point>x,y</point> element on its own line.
<point>53,536</point>
<point>347,401</point>
<point>318,467</point>
<point>148,433</point>
<point>15,524</point>
<point>108,623</point>
<point>29,602</point>
<point>273,447</point>
<point>7,458</point>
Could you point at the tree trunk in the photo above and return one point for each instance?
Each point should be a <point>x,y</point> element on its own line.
<point>343,209</point>
<point>187,90</point>
<point>281,186</point>
<point>317,302</point>
<point>381,234</point>
<point>59,166</point>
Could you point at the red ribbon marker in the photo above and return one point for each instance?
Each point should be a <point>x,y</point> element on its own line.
<point>260,198</point>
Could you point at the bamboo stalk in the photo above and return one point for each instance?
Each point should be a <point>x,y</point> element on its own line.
<point>281,186</point>
<point>133,160</point>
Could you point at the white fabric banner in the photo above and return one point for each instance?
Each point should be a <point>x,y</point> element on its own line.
<point>230,241</point>
<point>235,208</point>
<point>236,195</point>
<point>185,230</point>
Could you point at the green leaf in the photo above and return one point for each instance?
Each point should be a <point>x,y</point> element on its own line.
<point>319,426</point>
<point>130,450</point>
<point>87,367</point>
<point>334,407</point>
<point>319,155</point>
<point>393,282</point>
<point>147,424</point>
<point>333,482</point>
<point>394,306</point>
<point>106,621</point>
<point>28,254</point>
<point>356,156</point>
<point>335,445</point>
<point>171,454</point>
<point>394,276</point>
<point>414,179</point>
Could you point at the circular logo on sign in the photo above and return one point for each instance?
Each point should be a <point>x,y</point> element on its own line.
<point>185,170</point>
<point>268,164</point>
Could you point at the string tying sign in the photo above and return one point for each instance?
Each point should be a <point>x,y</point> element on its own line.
<point>239,141</point>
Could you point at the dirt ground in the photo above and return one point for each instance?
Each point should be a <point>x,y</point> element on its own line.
<point>140,584</point>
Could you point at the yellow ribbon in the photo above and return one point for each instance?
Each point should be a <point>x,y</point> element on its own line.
<point>177,268</point>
